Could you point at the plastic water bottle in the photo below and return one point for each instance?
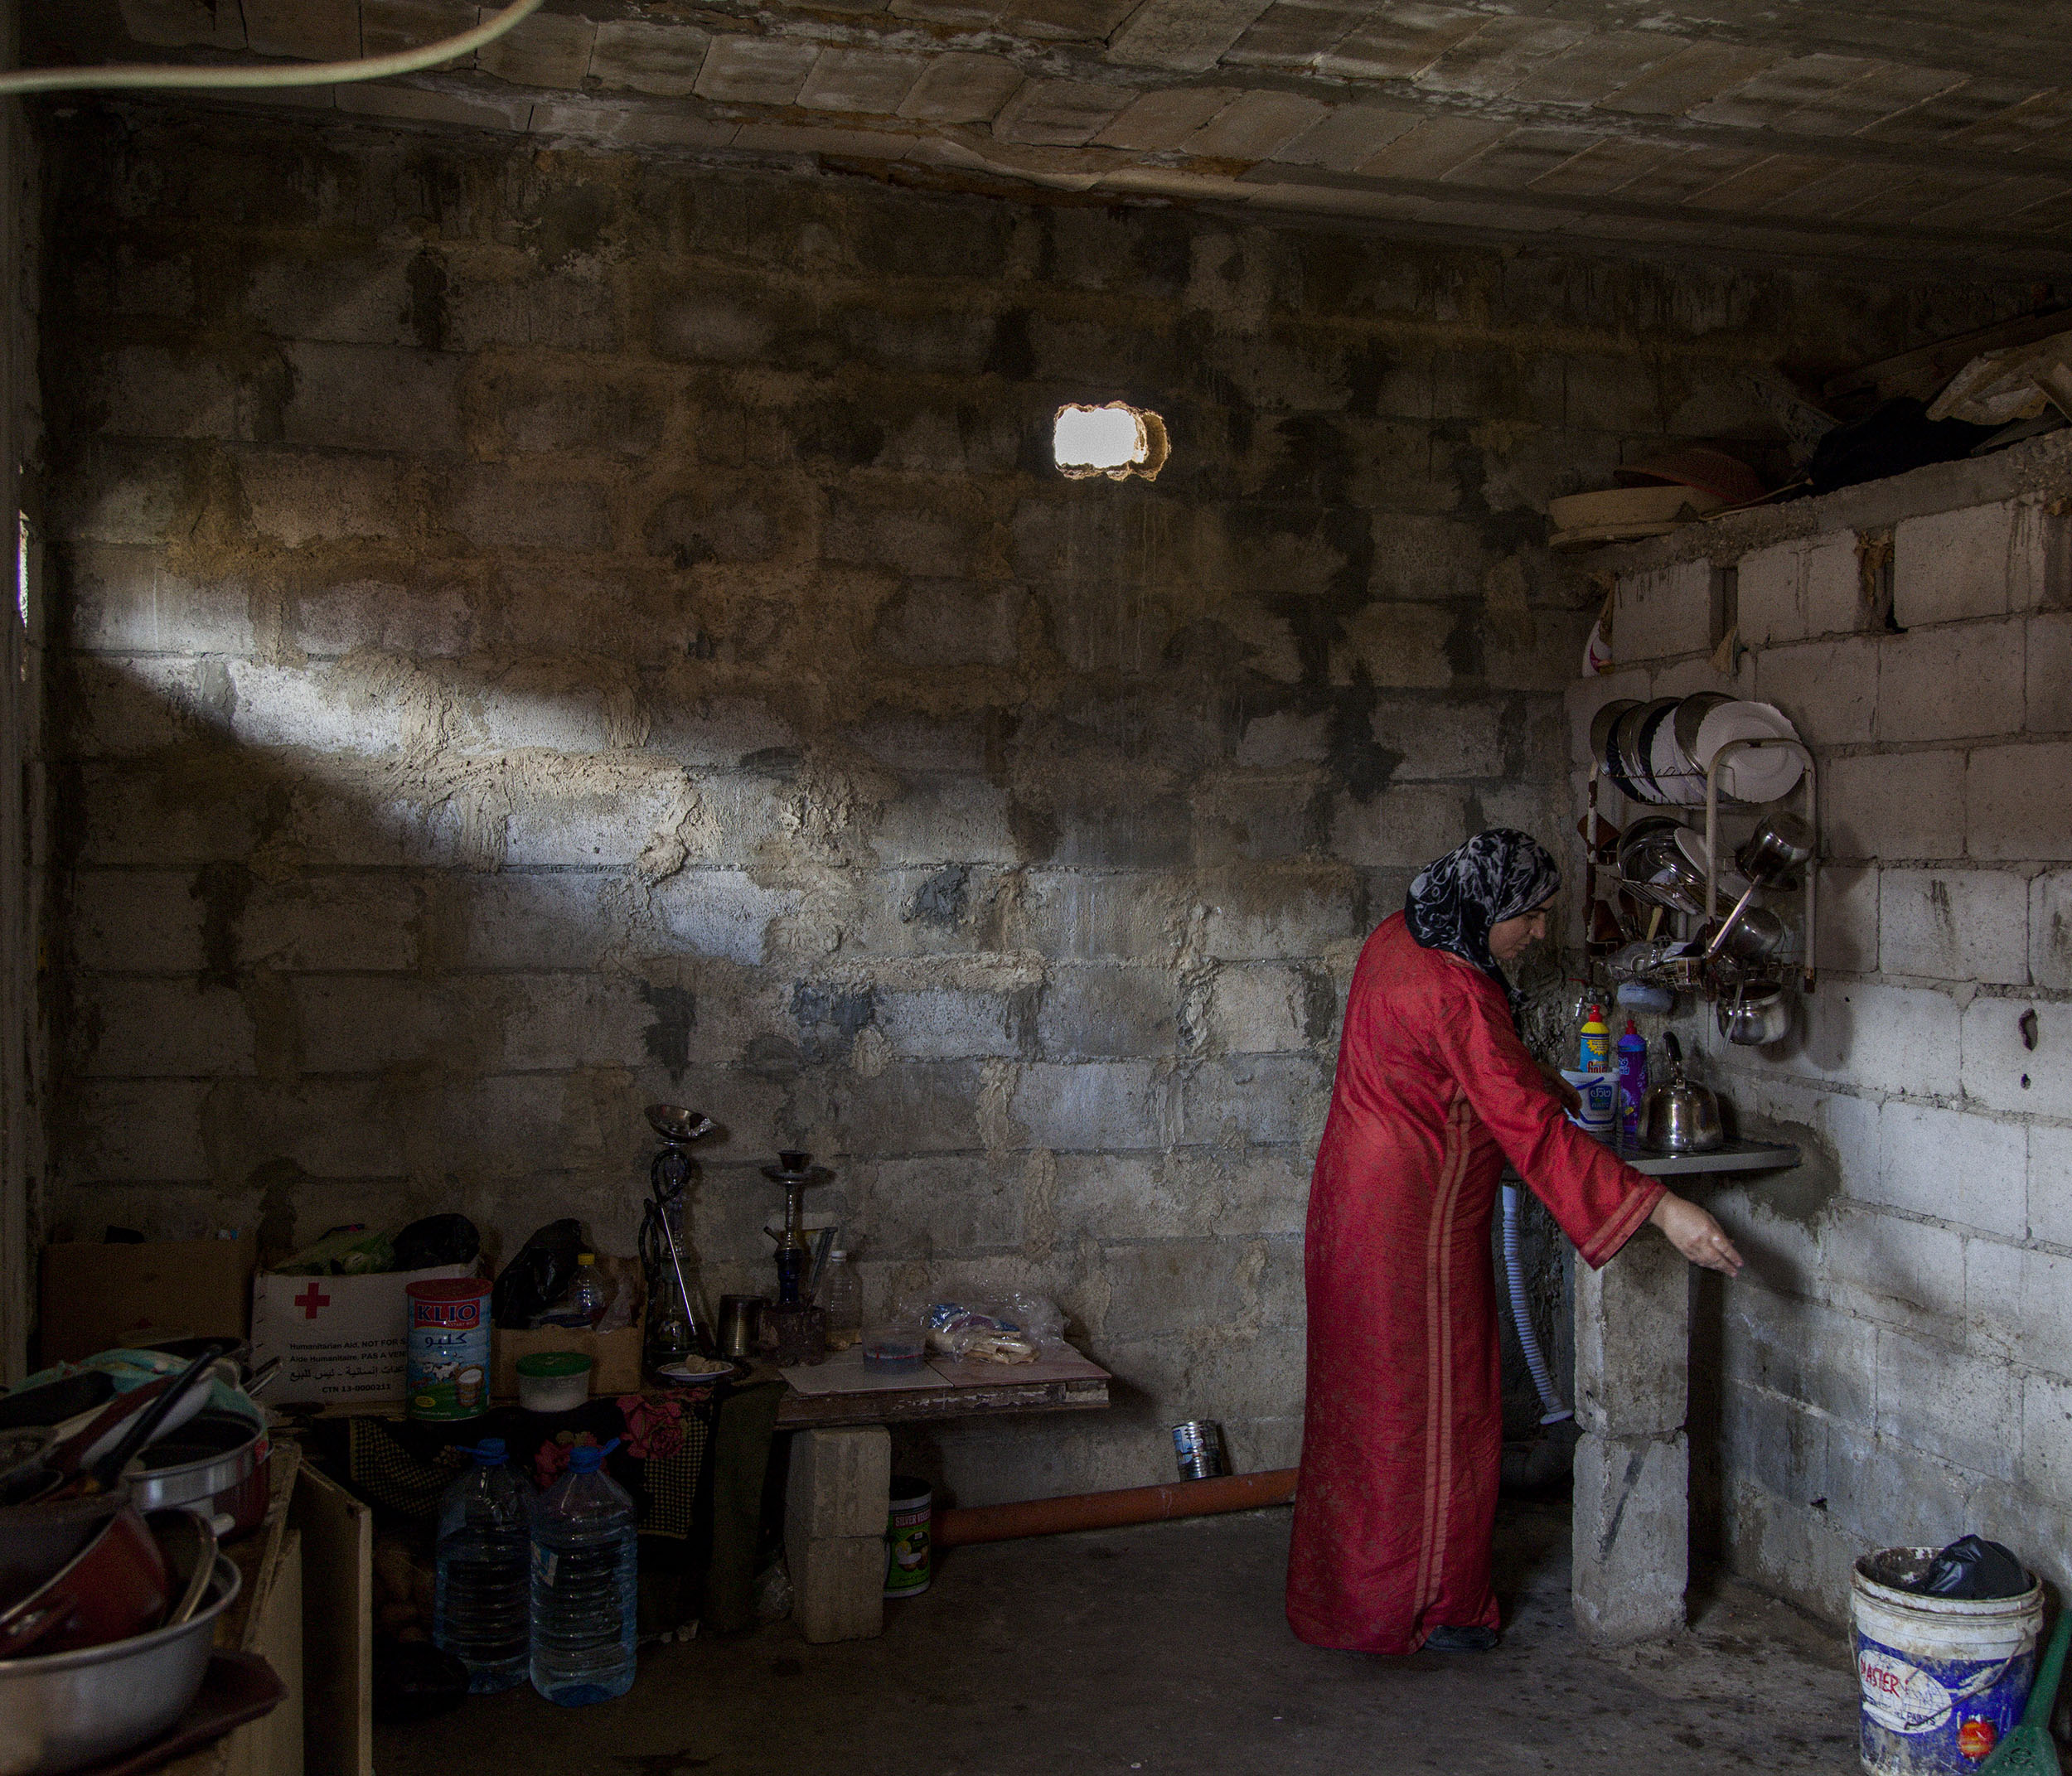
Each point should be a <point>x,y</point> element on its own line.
<point>585,1570</point>
<point>842,1298</point>
<point>584,1301</point>
<point>481,1607</point>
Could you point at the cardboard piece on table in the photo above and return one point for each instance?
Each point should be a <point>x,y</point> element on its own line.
<point>1062,1365</point>
<point>845,1373</point>
<point>614,1357</point>
<point>343,1339</point>
<point>98,1297</point>
<point>337,1533</point>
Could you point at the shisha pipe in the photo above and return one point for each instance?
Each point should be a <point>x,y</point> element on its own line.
<point>795,1171</point>
<point>668,1176</point>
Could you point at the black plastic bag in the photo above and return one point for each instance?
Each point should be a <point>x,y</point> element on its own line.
<point>533,1281</point>
<point>1897,437</point>
<point>1974,1568</point>
<point>438,1239</point>
<point>414,1680</point>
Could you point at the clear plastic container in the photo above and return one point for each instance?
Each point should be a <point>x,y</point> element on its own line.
<point>481,1606</point>
<point>841,1298</point>
<point>585,1572</point>
<point>894,1350</point>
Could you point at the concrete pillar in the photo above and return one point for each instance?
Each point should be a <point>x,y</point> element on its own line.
<point>836,1499</point>
<point>1632,1511</point>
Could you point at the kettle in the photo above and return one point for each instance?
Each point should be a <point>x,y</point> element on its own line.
<point>1678,1116</point>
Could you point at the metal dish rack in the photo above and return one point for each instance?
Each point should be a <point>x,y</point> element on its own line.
<point>1710,973</point>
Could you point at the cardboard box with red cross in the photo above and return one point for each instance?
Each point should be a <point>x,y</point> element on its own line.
<point>343,1338</point>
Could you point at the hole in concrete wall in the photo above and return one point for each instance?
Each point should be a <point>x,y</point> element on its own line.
<point>1116,440</point>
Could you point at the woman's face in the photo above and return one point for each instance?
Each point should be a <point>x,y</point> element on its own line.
<point>1509,937</point>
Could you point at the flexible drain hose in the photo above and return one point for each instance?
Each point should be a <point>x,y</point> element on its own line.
<point>214,78</point>
<point>1555,1412</point>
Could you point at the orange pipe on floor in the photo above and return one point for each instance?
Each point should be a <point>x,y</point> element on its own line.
<point>1136,1504</point>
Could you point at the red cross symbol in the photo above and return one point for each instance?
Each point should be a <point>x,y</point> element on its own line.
<point>310,1299</point>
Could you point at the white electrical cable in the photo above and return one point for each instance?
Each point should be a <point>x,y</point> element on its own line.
<point>308,74</point>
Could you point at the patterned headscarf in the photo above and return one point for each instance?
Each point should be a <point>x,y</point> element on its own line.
<point>1495,876</point>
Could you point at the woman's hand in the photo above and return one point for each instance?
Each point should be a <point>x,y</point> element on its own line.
<point>1571,1100</point>
<point>1695,1234</point>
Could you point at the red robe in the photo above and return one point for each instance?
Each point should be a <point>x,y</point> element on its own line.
<point>1402,1433</point>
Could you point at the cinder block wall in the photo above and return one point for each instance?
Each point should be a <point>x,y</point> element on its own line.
<point>548,629</point>
<point>1895,1364</point>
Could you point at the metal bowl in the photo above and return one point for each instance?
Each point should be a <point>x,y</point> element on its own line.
<point>678,1125</point>
<point>69,1710</point>
<point>1755,1019</point>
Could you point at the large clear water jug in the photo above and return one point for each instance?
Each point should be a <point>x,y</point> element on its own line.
<point>585,1561</point>
<point>481,1608</point>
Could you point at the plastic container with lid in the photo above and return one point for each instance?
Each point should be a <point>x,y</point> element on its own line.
<point>894,1350</point>
<point>554,1381</point>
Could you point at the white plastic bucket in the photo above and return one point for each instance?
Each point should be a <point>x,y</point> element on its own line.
<point>1600,1093</point>
<point>1943,1679</point>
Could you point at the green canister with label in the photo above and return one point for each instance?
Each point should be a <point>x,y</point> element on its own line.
<point>907,1537</point>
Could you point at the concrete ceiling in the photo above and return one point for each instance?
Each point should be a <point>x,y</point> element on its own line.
<point>1925,134</point>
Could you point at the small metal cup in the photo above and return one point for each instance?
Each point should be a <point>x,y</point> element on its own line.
<point>1198,1446</point>
<point>740,1325</point>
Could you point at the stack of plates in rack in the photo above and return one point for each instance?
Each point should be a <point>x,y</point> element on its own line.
<point>1753,776</point>
<point>1658,751</point>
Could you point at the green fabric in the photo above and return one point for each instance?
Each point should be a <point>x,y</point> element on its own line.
<point>740,1466</point>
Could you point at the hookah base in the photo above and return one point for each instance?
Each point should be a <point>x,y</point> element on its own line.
<point>794,1332</point>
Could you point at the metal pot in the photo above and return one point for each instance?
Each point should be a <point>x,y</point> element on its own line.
<point>64,1711</point>
<point>218,1462</point>
<point>1756,1018</point>
<point>1755,937</point>
<point>1678,1116</point>
<point>1777,849</point>
<point>37,1539</point>
<point>116,1586</point>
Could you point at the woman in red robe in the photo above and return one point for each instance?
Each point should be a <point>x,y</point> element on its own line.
<point>1402,1433</point>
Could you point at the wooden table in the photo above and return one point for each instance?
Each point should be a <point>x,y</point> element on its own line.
<point>842,1391</point>
<point>838,1494</point>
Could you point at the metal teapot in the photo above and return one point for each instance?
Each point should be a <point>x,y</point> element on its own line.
<point>1678,1116</point>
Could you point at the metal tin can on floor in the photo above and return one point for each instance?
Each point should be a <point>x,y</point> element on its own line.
<point>448,1358</point>
<point>907,1537</point>
<point>1199,1444</point>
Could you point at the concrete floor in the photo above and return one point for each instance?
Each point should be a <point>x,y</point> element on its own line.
<point>1164,1649</point>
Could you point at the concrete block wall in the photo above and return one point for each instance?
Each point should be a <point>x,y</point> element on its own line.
<point>547,632</point>
<point>1895,1364</point>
